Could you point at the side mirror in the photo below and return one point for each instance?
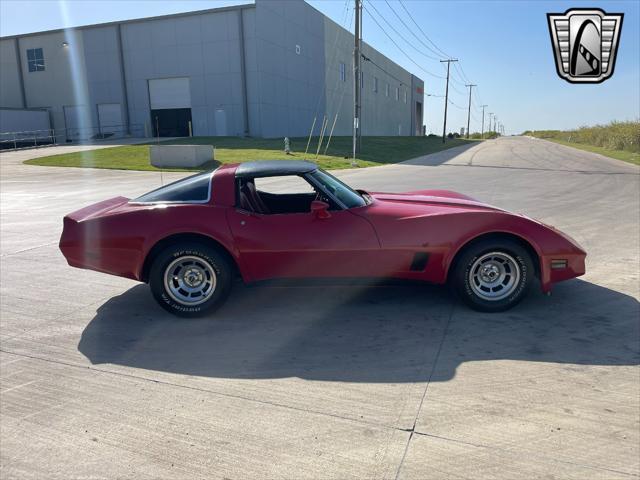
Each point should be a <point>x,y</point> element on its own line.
<point>320,209</point>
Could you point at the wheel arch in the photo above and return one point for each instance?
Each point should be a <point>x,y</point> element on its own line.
<point>495,235</point>
<point>165,242</point>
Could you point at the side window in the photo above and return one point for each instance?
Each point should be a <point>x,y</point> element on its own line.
<point>286,184</point>
<point>276,195</point>
<point>195,188</point>
<point>35,59</point>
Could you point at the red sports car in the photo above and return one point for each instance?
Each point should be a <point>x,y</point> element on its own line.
<point>290,219</point>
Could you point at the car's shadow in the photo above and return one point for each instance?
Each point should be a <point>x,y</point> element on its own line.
<point>362,334</point>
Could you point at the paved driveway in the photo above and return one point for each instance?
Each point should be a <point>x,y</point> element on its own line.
<point>327,382</point>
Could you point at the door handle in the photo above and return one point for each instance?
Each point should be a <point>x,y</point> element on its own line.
<point>247,213</point>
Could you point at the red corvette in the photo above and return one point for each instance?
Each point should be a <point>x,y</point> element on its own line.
<point>188,239</point>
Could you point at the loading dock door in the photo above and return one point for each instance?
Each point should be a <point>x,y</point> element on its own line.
<point>110,119</point>
<point>170,101</point>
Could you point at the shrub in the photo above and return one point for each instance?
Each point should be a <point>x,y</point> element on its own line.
<point>614,136</point>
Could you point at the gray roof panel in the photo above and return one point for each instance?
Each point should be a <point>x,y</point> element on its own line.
<point>273,168</point>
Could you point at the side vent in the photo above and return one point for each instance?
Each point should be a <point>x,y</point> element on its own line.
<point>419,262</point>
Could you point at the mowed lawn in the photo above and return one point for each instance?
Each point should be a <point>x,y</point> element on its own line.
<point>375,151</point>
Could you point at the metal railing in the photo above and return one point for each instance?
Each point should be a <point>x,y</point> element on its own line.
<point>64,136</point>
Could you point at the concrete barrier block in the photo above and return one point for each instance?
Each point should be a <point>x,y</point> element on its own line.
<point>180,156</point>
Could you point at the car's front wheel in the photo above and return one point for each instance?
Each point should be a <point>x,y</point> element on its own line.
<point>190,279</point>
<point>493,275</point>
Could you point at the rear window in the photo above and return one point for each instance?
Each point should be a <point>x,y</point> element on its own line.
<point>191,189</point>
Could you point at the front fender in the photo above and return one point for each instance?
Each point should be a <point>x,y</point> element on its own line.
<point>551,246</point>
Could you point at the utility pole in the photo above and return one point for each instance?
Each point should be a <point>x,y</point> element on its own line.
<point>490,114</point>
<point>495,123</point>
<point>482,132</point>
<point>471,85</point>
<point>446,98</point>
<point>356,79</point>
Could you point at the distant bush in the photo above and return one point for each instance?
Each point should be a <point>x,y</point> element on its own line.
<point>614,136</point>
<point>477,135</point>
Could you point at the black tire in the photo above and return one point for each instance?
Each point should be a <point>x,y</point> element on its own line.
<point>462,277</point>
<point>205,258</point>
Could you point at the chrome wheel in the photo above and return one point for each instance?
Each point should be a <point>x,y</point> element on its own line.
<point>190,280</point>
<point>494,276</point>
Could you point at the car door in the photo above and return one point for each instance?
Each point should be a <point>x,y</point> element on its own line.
<point>301,245</point>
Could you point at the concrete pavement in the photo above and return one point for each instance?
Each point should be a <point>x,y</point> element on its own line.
<point>332,382</point>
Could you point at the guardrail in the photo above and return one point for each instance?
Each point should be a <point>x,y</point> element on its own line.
<point>63,136</point>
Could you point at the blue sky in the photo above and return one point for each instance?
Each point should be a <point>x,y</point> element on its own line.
<point>503,46</point>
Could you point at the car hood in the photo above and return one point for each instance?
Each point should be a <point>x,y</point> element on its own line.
<point>433,197</point>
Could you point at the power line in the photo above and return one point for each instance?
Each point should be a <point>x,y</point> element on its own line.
<point>398,33</point>
<point>367,59</point>
<point>458,68</point>
<point>324,81</point>
<point>398,46</point>
<point>411,31</point>
<point>441,52</point>
<point>462,73</point>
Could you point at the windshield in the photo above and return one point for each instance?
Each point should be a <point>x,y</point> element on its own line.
<point>349,197</point>
<point>191,189</point>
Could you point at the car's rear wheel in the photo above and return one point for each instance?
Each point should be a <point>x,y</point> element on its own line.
<point>190,279</point>
<point>493,275</point>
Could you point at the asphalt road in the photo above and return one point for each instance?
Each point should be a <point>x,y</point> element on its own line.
<point>328,382</point>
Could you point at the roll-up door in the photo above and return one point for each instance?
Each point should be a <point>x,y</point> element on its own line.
<point>170,101</point>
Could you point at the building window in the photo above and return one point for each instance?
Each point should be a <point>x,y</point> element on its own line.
<point>375,84</point>
<point>343,72</point>
<point>386,90</point>
<point>405,96</point>
<point>397,93</point>
<point>35,59</point>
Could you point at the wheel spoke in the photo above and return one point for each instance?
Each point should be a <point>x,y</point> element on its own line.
<point>494,276</point>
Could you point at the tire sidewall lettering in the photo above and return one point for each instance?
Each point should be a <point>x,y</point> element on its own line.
<point>194,253</point>
<point>522,284</point>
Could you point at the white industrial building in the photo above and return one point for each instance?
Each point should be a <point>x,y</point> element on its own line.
<point>264,70</point>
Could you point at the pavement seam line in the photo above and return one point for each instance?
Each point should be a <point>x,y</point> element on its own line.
<point>424,393</point>
<point>203,390</point>
<point>29,249</point>
<point>546,458</point>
